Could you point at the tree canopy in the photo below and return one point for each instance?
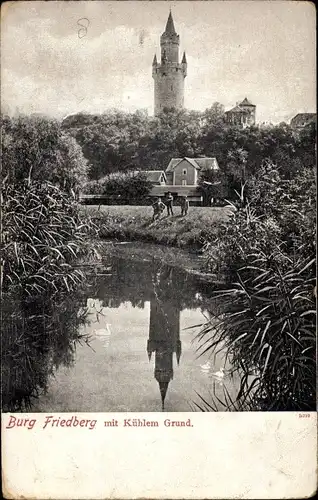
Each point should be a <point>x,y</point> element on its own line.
<point>38,148</point>
<point>117,141</point>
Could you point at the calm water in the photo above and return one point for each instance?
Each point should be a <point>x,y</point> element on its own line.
<point>142,321</point>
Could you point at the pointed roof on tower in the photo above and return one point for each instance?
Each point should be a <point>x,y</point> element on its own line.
<point>184,59</point>
<point>246,102</point>
<point>163,391</point>
<point>170,30</point>
<point>178,351</point>
<point>163,377</point>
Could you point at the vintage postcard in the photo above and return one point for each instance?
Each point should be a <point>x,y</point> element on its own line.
<point>158,258</point>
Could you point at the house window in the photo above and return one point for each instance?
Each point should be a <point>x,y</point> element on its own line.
<point>184,171</point>
<point>184,182</point>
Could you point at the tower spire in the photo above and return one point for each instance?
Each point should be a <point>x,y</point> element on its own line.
<point>184,59</point>
<point>170,29</point>
<point>163,391</point>
<point>178,351</point>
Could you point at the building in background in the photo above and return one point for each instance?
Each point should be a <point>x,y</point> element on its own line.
<point>243,114</point>
<point>186,171</point>
<point>302,120</point>
<point>183,178</point>
<point>169,74</point>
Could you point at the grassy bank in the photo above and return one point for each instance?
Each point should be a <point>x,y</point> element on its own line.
<point>134,223</point>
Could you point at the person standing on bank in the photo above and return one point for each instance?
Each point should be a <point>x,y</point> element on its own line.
<point>158,208</point>
<point>184,205</point>
<point>169,203</point>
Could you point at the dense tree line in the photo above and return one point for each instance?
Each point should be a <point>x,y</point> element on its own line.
<point>117,141</point>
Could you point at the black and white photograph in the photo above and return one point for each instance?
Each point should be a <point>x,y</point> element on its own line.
<point>158,207</point>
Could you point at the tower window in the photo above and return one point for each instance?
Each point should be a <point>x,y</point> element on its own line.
<point>184,171</point>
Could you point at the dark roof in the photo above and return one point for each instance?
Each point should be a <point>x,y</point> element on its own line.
<point>303,117</point>
<point>246,102</point>
<point>237,109</point>
<point>184,59</point>
<point>170,26</point>
<point>197,163</point>
<point>153,175</point>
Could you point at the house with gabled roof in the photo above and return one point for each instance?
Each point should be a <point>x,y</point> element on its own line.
<point>186,171</point>
<point>182,177</point>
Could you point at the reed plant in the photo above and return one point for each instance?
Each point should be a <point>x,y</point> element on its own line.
<point>45,237</point>
<point>268,321</point>
<point>44,234</point>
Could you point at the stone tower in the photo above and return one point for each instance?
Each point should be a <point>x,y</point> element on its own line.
<point>164,327</point>
<point>169,74</point>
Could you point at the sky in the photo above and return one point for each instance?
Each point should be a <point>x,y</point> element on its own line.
<point>262,50</point>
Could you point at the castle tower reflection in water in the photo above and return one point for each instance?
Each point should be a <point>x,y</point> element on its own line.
<point>164,340</point>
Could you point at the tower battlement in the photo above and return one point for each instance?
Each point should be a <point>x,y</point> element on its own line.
<point>169,74</point>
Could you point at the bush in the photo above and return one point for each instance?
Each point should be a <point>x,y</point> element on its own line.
<point>38,148</point>
<point>93,187</point>
<point>273,211</point>
<point>129,186</point>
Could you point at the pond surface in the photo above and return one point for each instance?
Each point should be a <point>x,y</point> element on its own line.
<point>142,320</point>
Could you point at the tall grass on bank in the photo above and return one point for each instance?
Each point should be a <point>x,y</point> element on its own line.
<point>44,234</point>
<point>44,237</point>
<point>268,322</point>
<point>268,328</point>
